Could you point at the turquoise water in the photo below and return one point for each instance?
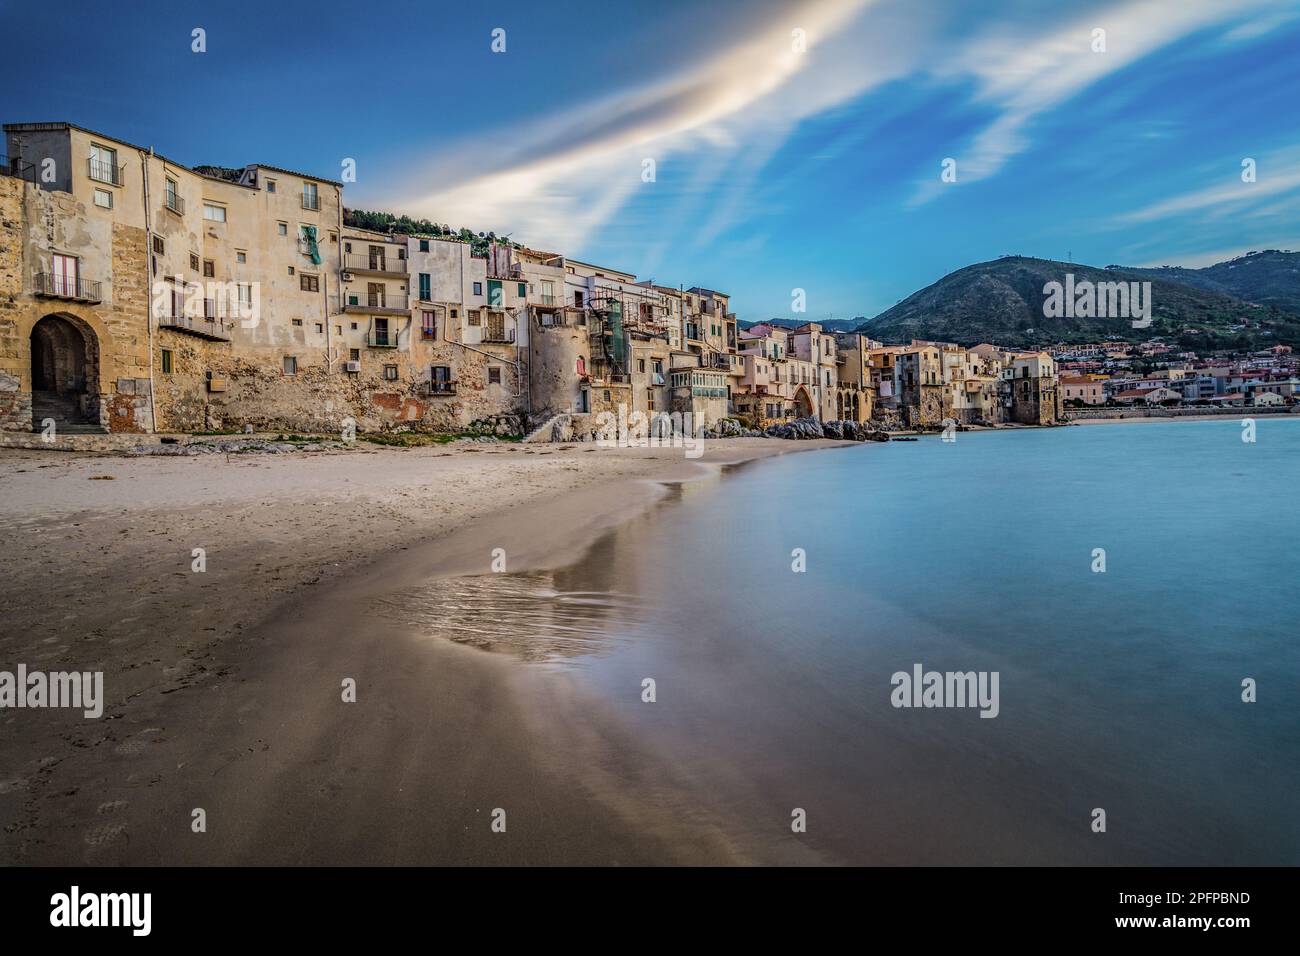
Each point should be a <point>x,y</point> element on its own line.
<point>1118,690</point>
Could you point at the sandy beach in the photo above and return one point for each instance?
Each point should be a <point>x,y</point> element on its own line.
<point>223,687</point>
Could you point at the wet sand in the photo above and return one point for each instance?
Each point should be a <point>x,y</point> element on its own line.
<point>224,688</point>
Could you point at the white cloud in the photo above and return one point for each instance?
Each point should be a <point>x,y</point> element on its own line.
<point>570,173</point>
<point>1276,174</point>
<point>1025,76</point>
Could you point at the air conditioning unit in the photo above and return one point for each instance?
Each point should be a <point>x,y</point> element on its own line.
<point>352,367</point>
<point>346,276</point>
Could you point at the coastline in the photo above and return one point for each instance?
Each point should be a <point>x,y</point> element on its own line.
<point>245,719</point>
<point>1245,413</point>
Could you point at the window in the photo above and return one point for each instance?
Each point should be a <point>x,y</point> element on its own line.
<point>473,316</point>
<point>478,288</point>
<point>310,200</point>
<point>334,238</point>
<point>241,257</point>
<point>640,365</point>
<point>658,366</point>
<point>194,262</point>
<point>245,293</point>
<point>338,330</point>
<point>523,290</point>
<point>209,268</point>
<point>354,355</point>
<point>297,321</point>
<point>270,185</point>
<point>424,245</point>
<point>290,365</point>
<point>291,270</point>
<point>103,199</point>
<point>283,228</point>
<point>308,283</point>
<point>455,313</point>
<point>167,361</point>
<point>390,373</point>
<point>426,293</point>
<point>429,324</point>
<point>103,165</point>
<point>213,212</point>
<point>496,297</point>
<point>159,246</point>
<point>320,328</point>
<point>494,376</point>
<point>354,326</point>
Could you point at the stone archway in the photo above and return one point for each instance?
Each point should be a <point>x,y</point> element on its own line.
<point>803,406</point>
<point>65,374</point>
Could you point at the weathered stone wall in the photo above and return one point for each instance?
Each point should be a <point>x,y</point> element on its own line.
<point>15,403</point>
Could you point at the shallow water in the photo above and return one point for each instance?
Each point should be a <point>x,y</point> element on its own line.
<point>1118,690</point>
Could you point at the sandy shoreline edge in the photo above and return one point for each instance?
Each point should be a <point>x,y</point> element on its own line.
<point>253,703</point>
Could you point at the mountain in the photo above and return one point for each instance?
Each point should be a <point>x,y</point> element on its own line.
<point>1271,277</point>
<point>1002,301</point>
<point>828,325</point>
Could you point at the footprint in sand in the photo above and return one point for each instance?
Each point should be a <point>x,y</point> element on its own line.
<point>138,742</point>
<point>107,834</point>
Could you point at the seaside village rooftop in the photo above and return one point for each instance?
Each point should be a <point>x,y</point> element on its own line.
<point>141,295</point>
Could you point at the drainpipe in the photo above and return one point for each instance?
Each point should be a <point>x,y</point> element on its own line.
<point>329,357</point>
<point>148,272</point>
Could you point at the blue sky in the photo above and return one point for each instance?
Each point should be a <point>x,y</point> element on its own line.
<point>778,165</point>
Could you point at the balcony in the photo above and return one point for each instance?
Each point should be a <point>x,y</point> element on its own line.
<point>175,203</point>
<point>205,327</point>
<point>394,303</point>
<point>493,336</point>
<point>381,340</point>
<point>311,202</point>
<point>382,265</point>
<point>66,287</point>
<point>17,169</point>
<point>102,172</point>
<point>442,388</point>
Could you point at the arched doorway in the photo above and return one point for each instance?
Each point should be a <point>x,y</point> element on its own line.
<point>65,374</point>
<point>803,406</point>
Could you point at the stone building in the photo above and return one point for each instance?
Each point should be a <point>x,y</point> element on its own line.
<point>918,376</point>
<point>1031,389</point>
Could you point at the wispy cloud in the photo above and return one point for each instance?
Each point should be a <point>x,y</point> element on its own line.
<point>1276,174</point>
<point>570,173</point>
<point>1024,76</point>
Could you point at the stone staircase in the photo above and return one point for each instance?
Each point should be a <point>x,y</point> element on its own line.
<point>66,412</point>
<point>546,431</point>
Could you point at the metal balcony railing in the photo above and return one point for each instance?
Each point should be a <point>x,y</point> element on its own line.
<point>442,388</point>
<point>381,340</point>
<point>66,287</point>
<point>206,327</point>
<point>362,301</point>
<point>102,172</point>
<point>175,203</point>
<point>364,262</point>
<point>17,168</point>
<point>498,335</point>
